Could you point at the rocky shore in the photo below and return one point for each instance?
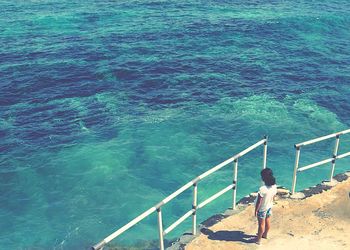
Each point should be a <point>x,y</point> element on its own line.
<point>315,218</point>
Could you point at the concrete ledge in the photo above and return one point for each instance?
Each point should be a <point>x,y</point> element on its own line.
<point>282,194</point>
<point>298,195</point>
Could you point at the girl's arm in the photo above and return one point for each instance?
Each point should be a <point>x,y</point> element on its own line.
<point>257,205</point>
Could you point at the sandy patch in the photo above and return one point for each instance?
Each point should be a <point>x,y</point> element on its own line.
<point>321,221</point>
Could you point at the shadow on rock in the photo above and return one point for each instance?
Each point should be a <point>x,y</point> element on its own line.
<point>229,236</point>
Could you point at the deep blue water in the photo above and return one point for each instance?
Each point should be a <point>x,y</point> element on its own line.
<point>106,107</point>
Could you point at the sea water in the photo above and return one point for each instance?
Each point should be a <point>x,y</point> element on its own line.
<point>107,107</point>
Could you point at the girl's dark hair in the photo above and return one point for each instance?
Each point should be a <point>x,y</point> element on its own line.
<point>267,176</point>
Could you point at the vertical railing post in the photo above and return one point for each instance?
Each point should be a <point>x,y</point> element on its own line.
<point>335,153</point>
<point>265,152</point>
<point>235,171</point>
<point>160,227</point>
<point>297,156</point>
<point>194,206</point>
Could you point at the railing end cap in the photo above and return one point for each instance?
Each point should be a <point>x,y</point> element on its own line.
<point>159,205</point>
<point>98,246</point>
<point>196,180</point>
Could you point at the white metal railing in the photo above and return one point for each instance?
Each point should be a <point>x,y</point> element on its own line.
<point>195,207</point>
<point>332,160</point>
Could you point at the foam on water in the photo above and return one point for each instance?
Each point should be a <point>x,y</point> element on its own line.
<point>101,184</point>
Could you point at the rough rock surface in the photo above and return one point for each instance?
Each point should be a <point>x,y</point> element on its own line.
<point>320,220</point>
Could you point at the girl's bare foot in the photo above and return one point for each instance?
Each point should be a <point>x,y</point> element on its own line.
<point>264,236</point>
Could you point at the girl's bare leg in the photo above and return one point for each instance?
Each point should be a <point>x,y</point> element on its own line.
<point>261,229</point>
<point>267,227</point>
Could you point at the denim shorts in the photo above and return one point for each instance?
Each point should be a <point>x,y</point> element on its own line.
<point>264,214</point>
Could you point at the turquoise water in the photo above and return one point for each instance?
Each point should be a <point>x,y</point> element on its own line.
<point>108,107</point>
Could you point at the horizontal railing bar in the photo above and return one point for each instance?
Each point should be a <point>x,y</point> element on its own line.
<point>323,162</point>
<point>251,148</point>
<point>315,164</point>
<point>178,192</point>
<point>216,168</point>
<point>322,138</point>
<point>228,161</point>
<point>176,223</point>
<point>125,227</point>
<point>201,205</point>
<point>131,223</point>
<point>343,155</point>
<point>210,171</point>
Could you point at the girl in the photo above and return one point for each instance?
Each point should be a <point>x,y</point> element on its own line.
<point>264,203</point>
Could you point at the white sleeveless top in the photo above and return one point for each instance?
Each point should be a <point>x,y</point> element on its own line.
<point>267,193</point>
